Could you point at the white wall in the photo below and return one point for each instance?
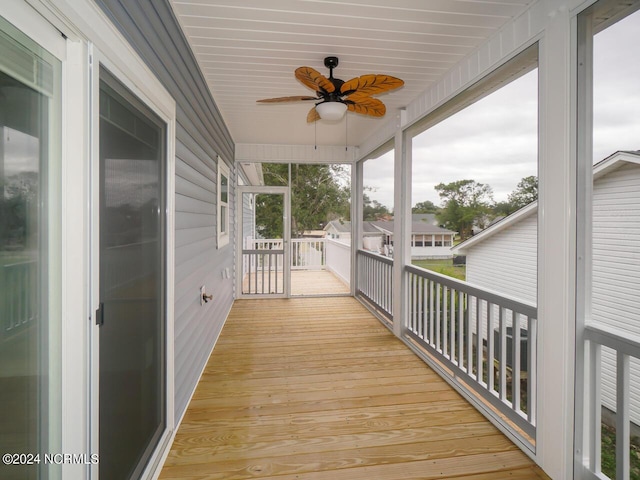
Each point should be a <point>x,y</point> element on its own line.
<point>616,270</point>
<point>338,259</point>
<point>506,262</point>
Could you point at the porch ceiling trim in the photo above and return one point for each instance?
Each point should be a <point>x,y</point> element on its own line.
<point>295,153</point>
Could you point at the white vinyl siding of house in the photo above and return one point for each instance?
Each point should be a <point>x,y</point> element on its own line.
<point>616,270</point>
<point>507,261</point>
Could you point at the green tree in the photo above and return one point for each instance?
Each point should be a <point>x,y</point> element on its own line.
<point>319,193</point>
<point>425,207</point>
<point>373,210</point>
<point>526,192</point>
<point>269,209</point>
<point>464,203</point>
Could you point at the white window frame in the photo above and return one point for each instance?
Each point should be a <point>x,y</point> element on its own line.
<point>223,220</point>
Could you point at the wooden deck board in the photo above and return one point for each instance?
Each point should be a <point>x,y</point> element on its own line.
<point>317,388</point>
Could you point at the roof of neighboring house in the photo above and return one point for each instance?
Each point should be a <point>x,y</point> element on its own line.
<point>603,167</point>
<point>339,225</point>
<point>344,226</point>
<point>425,217</point>
<point>416,227</point>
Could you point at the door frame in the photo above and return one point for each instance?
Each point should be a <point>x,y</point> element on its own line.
<point>149,90</point>
<point>240,190</point>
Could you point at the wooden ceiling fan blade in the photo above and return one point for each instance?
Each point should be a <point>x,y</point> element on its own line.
<point>365,105</point>
<point>296,98</point>
<point>371,84</point>
<point>313,115</point>
<point>314,79</point>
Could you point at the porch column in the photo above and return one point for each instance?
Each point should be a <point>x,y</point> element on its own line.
<point>357,189</point>
<point>556,247</point>
<point>402,221</point>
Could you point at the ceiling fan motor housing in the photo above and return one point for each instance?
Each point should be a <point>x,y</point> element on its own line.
<point>335,96</point>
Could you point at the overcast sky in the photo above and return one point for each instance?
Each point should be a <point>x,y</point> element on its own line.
<point>494,141</point>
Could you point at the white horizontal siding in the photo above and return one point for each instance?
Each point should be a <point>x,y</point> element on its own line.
<point>616,270</point>
<point>507,262</point>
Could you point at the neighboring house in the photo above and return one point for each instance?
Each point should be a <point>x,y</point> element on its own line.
<point>338,230</point>
<point>427,241</point>
<point>341,230</point>
<point>503,258</point>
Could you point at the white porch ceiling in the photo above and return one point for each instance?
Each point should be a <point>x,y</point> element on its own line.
<point>249,49</point>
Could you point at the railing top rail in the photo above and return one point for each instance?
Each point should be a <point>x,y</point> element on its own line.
<point>383,259</point>
<point>266,251</point>
<point>625,342</point>
<point>336,241</point>
<point>511,303</point>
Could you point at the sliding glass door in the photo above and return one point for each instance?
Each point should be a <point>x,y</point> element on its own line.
<point>132,311</point>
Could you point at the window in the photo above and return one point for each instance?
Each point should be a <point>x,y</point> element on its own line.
<point>223,203</point>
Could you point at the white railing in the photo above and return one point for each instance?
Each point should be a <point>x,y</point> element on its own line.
<point>338,259</point>
<point>264,273</point>
<point>625,348</point>
<point>308,254</point>
<point>258,260</point>
<point>486,342</point>
<point>19,303</point>
<point>375,282</point>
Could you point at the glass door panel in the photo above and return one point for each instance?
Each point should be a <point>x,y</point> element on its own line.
<point>29,226</point>
<point>132,281</point>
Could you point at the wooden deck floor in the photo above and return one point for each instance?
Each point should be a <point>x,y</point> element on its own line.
<point>318,389</point>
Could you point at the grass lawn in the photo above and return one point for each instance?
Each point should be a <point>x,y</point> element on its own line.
<point>443,267</point>
<point>609,454</point>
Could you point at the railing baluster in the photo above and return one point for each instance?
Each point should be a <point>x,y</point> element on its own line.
<point>431,313</point>
<point>502,338</point>
<point>462,298</point>
<point>422,319</point>
<point>623,427</point>
<point>452,326</point>
<point>438,288</point>
<point>595,401</point>
<point>532,378</point>
<point>515,369</point>
<point>490,348</point>
<point>479,362</point>
<point>468,335</point>
<point>445,320</point>
<point>270,262</point>
<point>275,276</point>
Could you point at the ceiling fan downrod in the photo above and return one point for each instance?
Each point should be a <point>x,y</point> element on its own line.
<point>331,63</point>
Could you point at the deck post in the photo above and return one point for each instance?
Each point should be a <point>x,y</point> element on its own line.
<point>556,246</point>
<point>402,221</point>
<point>357,190</point>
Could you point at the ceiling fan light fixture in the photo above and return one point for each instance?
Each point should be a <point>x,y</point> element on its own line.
<point>331,110</point>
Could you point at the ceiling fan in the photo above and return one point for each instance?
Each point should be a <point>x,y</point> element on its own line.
<point>335,96</point>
